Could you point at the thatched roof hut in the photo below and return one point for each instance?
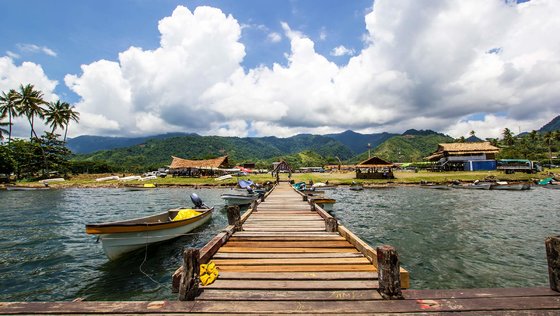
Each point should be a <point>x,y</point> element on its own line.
<point>464,149</point>
<point>375,162</point>
<point>180,163</point>
<point>374,168</point>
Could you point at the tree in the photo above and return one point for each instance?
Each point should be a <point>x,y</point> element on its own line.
<point>3,130</point>
<point>55,114</point>
<point>29,102</point>
<point>472,133</point>
<point>549,139</point>
<point>508,137</point>
<point>8,108</point>
<point>69,115</point>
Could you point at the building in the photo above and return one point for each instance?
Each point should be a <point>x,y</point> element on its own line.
<point>196,168</point>
<point>375,168</point>
<point>464,156</point>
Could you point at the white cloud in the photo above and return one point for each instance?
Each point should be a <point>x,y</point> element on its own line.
<point>274,37</point>
<point>32,48</point>
<point>342,51</point>
<point>12,55</point>
<point>424,65</point>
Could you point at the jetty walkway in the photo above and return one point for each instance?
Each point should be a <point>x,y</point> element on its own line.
<point>286,255</point>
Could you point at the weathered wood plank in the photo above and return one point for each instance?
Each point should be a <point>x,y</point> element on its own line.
<point>283,295</point>
<point>280,250</point>
<point>235,255</point>
<point>479,293</point>
<point>291,244</point>
<point>287,238</point>
<point>285,229</point>
<point>293,284</point>
<point>284,261</point>
<point>300,268</point>
<point>299,276</point>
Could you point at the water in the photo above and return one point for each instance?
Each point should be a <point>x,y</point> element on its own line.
<point>446,239</point>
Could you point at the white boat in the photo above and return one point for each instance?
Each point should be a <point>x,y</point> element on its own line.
<point>130,178</point>
<point>473,186</point>
<point>222,178</point>
<point>25,188</point>
<point>107,178</point>
<point>121,237</point>
<point>52,180</point>
<point>356,187</point>
<point>148,178</point>
<point>510,186</point>
<point>322,186</point>
<point>239,199</point>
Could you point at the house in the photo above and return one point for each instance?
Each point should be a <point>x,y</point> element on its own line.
<point>465,156</point>
<point>195,168</point>
<point>375,168</point>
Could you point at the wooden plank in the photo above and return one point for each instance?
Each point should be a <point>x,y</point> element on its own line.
<point>293,284</point>
<point>300,268</point>
<point>285,229</point>
<point>364,248</point>
<point>479,293</point>
<point>234,255</point>
<point>289,238</point>
<point>213,245</point>
<point>267,295</point>
<point>298,276</point>
<point>288,250</point>
<point>245,233</point>
<point>284,261</point>
<point>291,244</point>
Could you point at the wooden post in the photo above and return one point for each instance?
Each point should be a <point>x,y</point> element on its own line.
<point>388,269</point>
<point>190,277</point>
<point>331,224</point>
<point>553,257</point>
<point>305,198</point>
<point>254,205</point>
<point>263,197</point>
<point>234,217</point>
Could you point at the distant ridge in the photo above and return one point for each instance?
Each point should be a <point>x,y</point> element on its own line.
<point>358,142</point>
<point>473,139</point>
<point>86,144</point>
<point>551,126</point>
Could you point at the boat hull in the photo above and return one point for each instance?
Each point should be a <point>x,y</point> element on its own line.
<point>117,244</point>
<point>511,187</point>
<point>485,186</point>
<point>24,188</point>
<point>232,199</point>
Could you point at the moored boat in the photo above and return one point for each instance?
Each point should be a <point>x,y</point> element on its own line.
<point>435,186</point>
<point>121,237</point>
<point>239,198</point>
<point>323,186</point>
<point>510,186</point>
<point>25,188</point>
<point>473,186</point>
<point>142,187</point>
<point>356,187</point>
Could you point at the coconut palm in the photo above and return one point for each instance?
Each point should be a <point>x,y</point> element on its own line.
<point>55,115</point>
<point>2,129</point>
<point>549,139</point>
<point>8,108</point>
<point>69,115</point>
<point>29,102</point>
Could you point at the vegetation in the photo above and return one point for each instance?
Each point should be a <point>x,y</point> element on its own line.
<point>533,146</point>
<point>38,156</point>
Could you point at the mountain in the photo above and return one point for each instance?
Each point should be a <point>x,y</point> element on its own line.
<point>358,142</point>
<point>158,152</point>
<point>553,125</point>
<point>87,144</point>
<point>473,139</point>
<point>408,147</point>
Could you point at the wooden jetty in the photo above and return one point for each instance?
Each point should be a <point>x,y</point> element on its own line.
<point>287,256</point>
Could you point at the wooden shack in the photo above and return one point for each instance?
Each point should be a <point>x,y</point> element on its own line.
<point>196,168</point>
<point>464,156</point>
<point>279,167</point>
<point>374,168</point>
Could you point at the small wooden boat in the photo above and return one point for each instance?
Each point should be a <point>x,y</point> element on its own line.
<point>142,187</point>
<point>25,188</point>
<point>110,178</point>
<point>325,203</point>
<point>121,237</point>
<point>510,186</point>
<point>323,186</point>
<point>435,186</point>
<point>239,199</point>
<point>356,187</point>
<point>473,186</point>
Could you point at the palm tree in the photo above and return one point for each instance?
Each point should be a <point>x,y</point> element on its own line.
<point>549,139</point>
<point>3,130</point>
<point>30,101</point>
<point>55,115</point>
<point>69,115</point>
<point>508,137</point>
<point>8,107</point>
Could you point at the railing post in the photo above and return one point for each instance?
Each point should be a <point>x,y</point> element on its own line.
<point>234,217</point>
<point>331,225</point>
<point>388,269</point>
<point>263,197</point>
<point>553,258</point>
<point>190,277</point>
<point>305,198</point>
<point>254,205</point>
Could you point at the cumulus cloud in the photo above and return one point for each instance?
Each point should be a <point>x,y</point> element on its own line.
<point>32,48</point>
<point>424,65</point>
<point>274,37</point>
<point>342,51</point>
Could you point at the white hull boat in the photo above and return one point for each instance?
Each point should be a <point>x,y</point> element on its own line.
<point>239,199</point>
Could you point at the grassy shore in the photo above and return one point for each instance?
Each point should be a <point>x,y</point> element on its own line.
<point>341,178</point>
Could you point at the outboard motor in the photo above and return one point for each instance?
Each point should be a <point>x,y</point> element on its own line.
<point>197,201</point>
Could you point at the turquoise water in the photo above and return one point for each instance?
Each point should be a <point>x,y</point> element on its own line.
<point>446,239</point>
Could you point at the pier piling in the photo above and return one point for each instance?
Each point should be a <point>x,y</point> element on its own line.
<point>234,217</point>
<point>189,285</point>
<point>553,258</point>
<point>388,268</point>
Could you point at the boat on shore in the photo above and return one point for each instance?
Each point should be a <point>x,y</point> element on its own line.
<point>435,186</point>
<point>121,237</point>
<point>356,187</point>
<point>26,188</point>
<point>510,186</point>
<point>323,186</point>
<point>473,186</point>
<point>142,187</point>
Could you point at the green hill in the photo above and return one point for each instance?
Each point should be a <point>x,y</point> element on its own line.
<point>406,148</point>
<point>551,126</point>
<point>307,150</point>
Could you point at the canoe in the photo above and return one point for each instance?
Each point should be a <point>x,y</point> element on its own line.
<point>110,178</point>
<point>24,188</point>
<point>435,186</point>
<point>511,186</point>
<point>141,187</point>
<point>479,186</point>
<point>239,199</point>
<point>122,237</point>
<point>356,187</point>
<point>227,176</point>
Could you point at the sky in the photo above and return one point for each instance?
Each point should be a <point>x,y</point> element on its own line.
<point>280,68</point>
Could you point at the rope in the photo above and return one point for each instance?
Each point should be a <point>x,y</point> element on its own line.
<point>144,261</point>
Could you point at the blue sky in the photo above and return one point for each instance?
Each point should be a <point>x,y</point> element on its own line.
<point>255,68</point>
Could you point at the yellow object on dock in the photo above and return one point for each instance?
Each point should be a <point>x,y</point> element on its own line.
<point>208,273</point>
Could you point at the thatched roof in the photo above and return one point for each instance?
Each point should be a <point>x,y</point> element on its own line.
<point>180,163</point>
<point>458,149</point>
<point>374,162</point>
